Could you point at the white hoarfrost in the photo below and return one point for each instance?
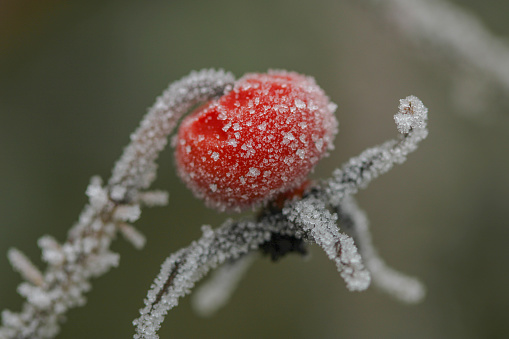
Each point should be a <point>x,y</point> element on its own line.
<point>315,220</point>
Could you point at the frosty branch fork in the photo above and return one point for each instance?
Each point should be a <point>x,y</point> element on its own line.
<point>312,217</point>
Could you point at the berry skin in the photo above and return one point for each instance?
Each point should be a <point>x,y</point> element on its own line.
<point>258,140</point>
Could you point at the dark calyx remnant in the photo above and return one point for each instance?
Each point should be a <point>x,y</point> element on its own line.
<point>280,245</point>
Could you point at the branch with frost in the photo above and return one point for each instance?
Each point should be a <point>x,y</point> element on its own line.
<point>358,172</point>
<point>111,208</point>
<point>217,291</point>
<point>452,30</point>
<point>231,241</point>
<point>402,287</point>
<point>308,218</point>
<point>455,34</point>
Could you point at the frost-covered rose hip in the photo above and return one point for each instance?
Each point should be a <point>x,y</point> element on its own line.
<point>260,139</point>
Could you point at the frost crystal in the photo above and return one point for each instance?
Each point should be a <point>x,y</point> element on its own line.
<point>359,171</point>
<point>254,172</point>
<point>411,114</point>
<point>127,213</point>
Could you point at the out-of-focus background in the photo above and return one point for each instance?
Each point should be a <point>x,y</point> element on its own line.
<point>76,78</point>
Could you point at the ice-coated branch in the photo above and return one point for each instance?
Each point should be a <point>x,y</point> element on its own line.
<point>358,172</point>
<point>183,269</point>
<point>216,292</point>
<point>307,219</point>
<point>402,287</point>
<point>311,217</point>
<point>85,254</point>
<point>136,168</point>
<point>452,31</point>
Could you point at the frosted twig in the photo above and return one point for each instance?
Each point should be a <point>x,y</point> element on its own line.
<point>136,168</point>
<point>217,290</point>
<point>312,217</point>
<point>184,268</point>
<point>399,285</point>
<point>358,172</point>
<point>452,31</point>
<point>86,254</point>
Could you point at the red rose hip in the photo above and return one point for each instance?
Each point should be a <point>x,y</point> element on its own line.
<point>260,139</point>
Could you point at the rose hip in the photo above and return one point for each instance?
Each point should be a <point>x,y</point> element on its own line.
<point>258,140</point>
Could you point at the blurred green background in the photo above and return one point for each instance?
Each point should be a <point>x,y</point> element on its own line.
<point>76,77</point>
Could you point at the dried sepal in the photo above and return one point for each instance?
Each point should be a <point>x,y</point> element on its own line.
<point>131,234</point>
<point>217,290</point>
<point>153,198</point>
<point>20,262</point>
